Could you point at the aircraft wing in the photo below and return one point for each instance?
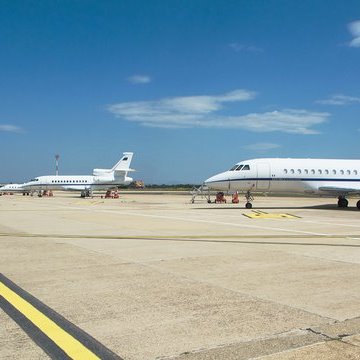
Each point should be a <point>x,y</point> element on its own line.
<point>340,190</point>
<point>76,188</point>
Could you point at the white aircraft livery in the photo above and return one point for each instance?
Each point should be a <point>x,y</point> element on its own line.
<point>11,188</point>
<point>101,179</point>
<point>338,178</point>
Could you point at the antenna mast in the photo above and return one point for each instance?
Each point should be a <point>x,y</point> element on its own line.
<point>57,157</point>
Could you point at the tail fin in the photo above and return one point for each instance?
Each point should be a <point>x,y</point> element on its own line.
<point>124,163</point>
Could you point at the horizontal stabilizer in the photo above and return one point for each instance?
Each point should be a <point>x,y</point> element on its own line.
<point>120,168</point>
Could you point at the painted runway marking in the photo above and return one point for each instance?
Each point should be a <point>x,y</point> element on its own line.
<point>257,214</point>
<point>177,218</point>
<point>58,337</point>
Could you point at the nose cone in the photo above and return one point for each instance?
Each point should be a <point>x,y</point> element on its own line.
<point>218,181</point>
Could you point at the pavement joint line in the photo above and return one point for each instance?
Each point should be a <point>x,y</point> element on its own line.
<point>217,240</point>
<point>58,337</point>
<point>185,219</point>
<point>202,221</point>
<point>185,237</point>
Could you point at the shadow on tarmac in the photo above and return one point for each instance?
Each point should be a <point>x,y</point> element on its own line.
<point>319,207</point>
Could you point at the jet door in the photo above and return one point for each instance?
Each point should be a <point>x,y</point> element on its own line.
<point>263,175</point>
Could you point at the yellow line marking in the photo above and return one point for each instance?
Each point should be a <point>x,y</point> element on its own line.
<point>72,347</point>
<point>264,215</point>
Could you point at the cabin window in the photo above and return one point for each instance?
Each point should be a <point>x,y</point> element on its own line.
<point>320,172</point>
<point>355,172</point>
<point>334,172</point>
<point>285,171</point>
<point>342,172</point>
<point>348,172</point>
<point>246,167</point>
<point>292,171</point>
<point>327,172</point>
<point>313,171</point>
<point>306,171</point>
<point>299,171</point>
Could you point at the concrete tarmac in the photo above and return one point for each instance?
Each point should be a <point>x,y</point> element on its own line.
<point>152,276</point>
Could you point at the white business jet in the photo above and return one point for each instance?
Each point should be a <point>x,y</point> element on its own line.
<point>13,188</point>
<point>329,177</point>
<point>101,179</point>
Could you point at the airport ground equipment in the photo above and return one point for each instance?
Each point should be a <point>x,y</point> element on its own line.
<point>235,198</point>
<point>220,197</point>
<point>202,191</point>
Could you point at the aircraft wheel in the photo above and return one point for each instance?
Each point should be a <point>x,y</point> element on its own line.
<point>248,205</point>
<point>343,203</point>
<point>358,204</point>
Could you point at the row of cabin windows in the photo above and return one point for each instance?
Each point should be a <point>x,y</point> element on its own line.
<point>68,181</point>
<point>320,172</point>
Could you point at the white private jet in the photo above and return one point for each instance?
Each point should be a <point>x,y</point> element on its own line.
<point>101,179</point>
<point>327,177</point>
<point>11,188</point>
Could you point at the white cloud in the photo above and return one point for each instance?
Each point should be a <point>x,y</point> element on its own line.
<point>139,79</point>
<point>261,147</point>
<point>339,100</point>
<point>238,47</point>
<point>205,112</point>
<point>10,128</point>
<point>354,28</point>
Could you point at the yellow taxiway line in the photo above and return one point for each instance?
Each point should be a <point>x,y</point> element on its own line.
<point>72,347</point>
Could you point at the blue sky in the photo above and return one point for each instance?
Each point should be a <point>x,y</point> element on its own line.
<point>191,87</point>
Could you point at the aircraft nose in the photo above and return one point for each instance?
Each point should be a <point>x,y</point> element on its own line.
<point>215,181</point>
<point>210,180</point>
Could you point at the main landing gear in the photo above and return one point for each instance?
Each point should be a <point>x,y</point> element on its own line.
<point>343,202</point>
<point>86,193</point>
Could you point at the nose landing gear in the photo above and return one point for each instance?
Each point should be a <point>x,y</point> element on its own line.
<point>248,198</point>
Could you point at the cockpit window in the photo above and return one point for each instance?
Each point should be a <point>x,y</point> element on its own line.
<point>234,167</point>
<point>239,167</point>
<point>246,167</point>
<point>34,180</point>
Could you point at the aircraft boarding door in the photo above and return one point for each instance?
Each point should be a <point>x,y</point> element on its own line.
<point>263,174</point>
